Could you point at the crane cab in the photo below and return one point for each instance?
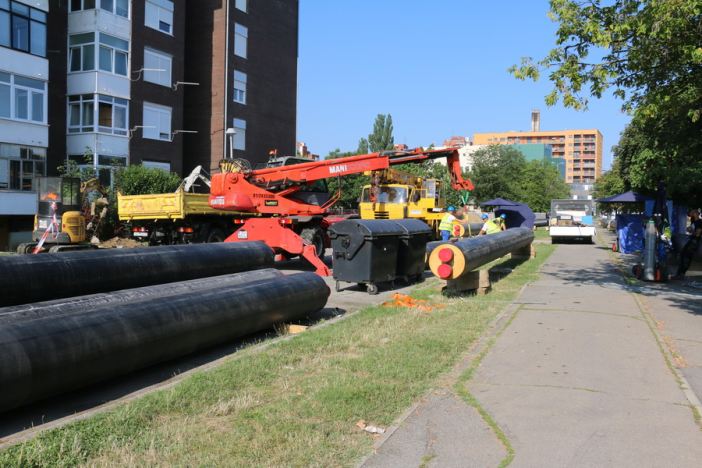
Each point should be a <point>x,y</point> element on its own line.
<point>423,200</point>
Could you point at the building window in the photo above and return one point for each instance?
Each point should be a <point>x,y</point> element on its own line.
<point>116,7</point>
<point>103,166</point>
<point>22,98</point>
<point>163,166</point>
<point>241,5</point>
<point>19,165</point>
<point>78,5</point>
<point>239,87</point>
<point>157,122</point>
<point>81,52</point>
<point>113,54</point>
<point>240,135</point>
<point>22,28</point>
<point>159,15</point>
<point>112,115</point>
<point>241,37</point>
<point>109,112</point>
<point>157,67</point>
<point>81,113</point>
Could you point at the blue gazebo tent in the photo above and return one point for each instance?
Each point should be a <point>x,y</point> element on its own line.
<point>518,214</point>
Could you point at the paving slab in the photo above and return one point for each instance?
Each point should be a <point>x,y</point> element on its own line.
<point>443,432</point>
<point>577,379</point>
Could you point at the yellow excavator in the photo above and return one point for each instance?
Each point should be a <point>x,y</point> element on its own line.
<point>69,211</point>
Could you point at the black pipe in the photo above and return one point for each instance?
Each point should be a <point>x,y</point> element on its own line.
<point>87,303</point>
<point>477,251</point>
<point>34,278</point>
<point>44,356</point>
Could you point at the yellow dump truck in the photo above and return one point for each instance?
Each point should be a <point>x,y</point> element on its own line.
<point>175,218</point>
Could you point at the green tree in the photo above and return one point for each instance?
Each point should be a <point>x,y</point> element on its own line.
<point>496,172</point>
<point>350,186</point>
<point>539,183</point>
<point>610,183</point>
<point>649,54</point>
<point>140,180</point>
<point>382,137</point>
<point>362,147</point>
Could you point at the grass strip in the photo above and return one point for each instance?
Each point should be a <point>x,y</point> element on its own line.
<point>293,403</point>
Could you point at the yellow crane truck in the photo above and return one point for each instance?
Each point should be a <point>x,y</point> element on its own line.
<point>401,195</point>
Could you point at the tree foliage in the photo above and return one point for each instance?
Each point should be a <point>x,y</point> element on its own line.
<point>140,180</point>
<point>649,54</point>
<point>382,137</point>
<point>502,171</point>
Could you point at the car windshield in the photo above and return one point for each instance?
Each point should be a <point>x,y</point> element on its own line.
<point>571,206</point>
<point>386,195</point>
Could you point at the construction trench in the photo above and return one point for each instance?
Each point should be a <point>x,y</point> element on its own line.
<point>67,324</point>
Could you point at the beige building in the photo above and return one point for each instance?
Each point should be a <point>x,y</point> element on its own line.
<point>581,149</point>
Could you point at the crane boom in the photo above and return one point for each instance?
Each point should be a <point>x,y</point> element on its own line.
<point>267,191</point>
<point>289,223</point>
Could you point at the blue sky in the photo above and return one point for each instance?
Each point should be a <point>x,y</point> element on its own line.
<point>439,67</point>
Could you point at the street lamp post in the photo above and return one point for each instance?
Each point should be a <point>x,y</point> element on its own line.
<point>230,133</point>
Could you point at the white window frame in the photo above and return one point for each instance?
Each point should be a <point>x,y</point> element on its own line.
<point>31,92</point>
<point>114,51</point>
<point>239,126</point>
<point>241,39</point>
<point>242,5</point>
<point>240,79</point>
<point>82,6</point>
<point>29,162</point>
<point>163,62</point>
<point>81,49</point>
<point>116,103</point>
<point>113,10</point>
<point>161,131</point>
<point>82,102</point>
<point>163,11</point>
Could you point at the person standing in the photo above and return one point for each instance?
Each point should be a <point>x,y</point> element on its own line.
<point>688,251</point>
<point>446,224</point>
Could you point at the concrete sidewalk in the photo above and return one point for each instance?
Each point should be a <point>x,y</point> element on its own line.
<point>577,379</point>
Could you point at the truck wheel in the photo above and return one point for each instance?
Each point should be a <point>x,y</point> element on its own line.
<point>314,236</point>
<point>215,235</point>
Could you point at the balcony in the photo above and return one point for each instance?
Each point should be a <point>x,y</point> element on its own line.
<point>16,203</point>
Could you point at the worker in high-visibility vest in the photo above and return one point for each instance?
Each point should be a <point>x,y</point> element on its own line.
<point>446,224</point>
<point>493,226</point>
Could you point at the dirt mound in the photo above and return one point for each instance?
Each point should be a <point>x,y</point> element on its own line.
<point>119,242</point>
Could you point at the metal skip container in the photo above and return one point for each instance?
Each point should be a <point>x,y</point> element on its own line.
<point>365,252</point>
<point>412,247</point>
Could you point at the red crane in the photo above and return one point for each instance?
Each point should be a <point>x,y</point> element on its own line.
<point>290,223</point>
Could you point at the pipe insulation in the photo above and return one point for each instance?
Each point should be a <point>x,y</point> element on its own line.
<point>451,260</point>
<point>82,304</point>
<point>34,278</point>
<point>45,356</point>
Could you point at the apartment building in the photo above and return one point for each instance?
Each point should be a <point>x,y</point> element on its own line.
<point>122,104</point>
<point>24,119</point>
<point>245,64</point>
<point>108,83</point>
<point>581,149</point>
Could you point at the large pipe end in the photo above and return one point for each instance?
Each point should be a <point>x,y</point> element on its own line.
<point>447,262</point>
